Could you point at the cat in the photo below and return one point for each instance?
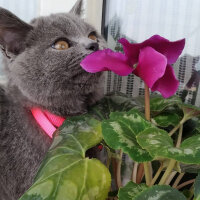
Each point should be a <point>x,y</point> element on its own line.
<point>42,65</point>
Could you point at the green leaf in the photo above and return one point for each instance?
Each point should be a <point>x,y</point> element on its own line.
<point>190,168</point>
<point>190,128</point>
<point>32,197</point>
<point>158,104</point>
<point>159,144</point>
<point>160,192</point>
<point>120,131</point>
<point>187,193</point>
<point>66,173</point>
<point>196,126</point>
<point>133,191</point>
<point>189,111</point>
<point>165,162</point>
<point>166,119</point>
<point>111,103</point>
<point>197,188</point>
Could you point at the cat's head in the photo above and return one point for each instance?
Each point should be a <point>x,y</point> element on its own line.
<point>43,59</point>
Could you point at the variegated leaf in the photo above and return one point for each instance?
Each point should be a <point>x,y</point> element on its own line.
<point>166,119</point>
<point>133,191</point>
<point>189,111</point>
<point>197,188</point>
<point>111,103</point>
<point>66,173</point>
<point>159,104</point>
<point>120,131</point>
<point>159,144</point>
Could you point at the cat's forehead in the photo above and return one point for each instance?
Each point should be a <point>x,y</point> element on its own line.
<point>67,24</point>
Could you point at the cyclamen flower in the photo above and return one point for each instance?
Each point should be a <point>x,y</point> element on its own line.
<point>152,58</point>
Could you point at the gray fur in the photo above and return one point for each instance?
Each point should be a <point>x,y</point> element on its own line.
<point>77,8</point>
<point>41,76</point>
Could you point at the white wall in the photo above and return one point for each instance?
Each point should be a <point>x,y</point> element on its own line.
<point>24,9</point>
<point>54,6</point>
<point>29,9</point>
<point>94,13</point>
<point>92,9</point>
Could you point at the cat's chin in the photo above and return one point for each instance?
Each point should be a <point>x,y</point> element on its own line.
<point>78,104</point>
<point>74,107</point>
<point>70,102</point>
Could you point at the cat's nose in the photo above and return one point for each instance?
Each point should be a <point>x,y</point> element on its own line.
<point>93,46</point>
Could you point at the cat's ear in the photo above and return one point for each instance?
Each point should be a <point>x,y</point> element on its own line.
<point>77,8</point>
<point>13,32</point>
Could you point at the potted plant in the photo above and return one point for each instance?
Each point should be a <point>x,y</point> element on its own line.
<point>153,133</point>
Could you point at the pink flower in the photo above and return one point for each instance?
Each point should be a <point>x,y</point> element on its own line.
<point>152,58</point>
<point>107,60</point>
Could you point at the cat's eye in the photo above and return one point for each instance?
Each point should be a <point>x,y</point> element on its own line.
<point>61,45</point>
<point>92,36</point>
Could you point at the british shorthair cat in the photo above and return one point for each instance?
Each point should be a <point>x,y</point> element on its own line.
<point>42,64</point>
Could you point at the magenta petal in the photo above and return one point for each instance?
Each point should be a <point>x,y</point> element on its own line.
<point>168,84</point>
<point>151,66</point>
<point>171,50</point>
<point>107,60</point>
<point>131,50</point>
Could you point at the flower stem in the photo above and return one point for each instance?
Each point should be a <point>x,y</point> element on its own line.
<point>179,136</point>
<point>177,145</point>
<point>147,103</point>
<point>134,173</point>
<point>147,173</point>
<point>157,174</point>
<point>167,172</point>
<point>140,173</point>
<point>172,162</point>
<point>185,183</point>
<point>191,192</point>
<point>178,179</point>
<point>177,127</point>
<point>119,162</point>
<point>114,167</point>
<point>109,156</point>
<point>171,176</point>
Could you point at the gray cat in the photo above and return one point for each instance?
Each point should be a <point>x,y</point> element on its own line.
<point>42,63</point>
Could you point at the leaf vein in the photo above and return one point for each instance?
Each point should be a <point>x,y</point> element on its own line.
<point>79,144</point>
<point>69,166</point>
<point>53,158</point>
<point>84,179</point>
<point>63,147</point>
<point>54,195</point>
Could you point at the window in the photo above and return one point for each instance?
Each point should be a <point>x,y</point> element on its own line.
<point>22,9</point>
<point>27,10</point>
<point>138,20</point>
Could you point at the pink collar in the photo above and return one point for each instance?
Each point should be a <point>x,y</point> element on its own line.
<point>47,121</point>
